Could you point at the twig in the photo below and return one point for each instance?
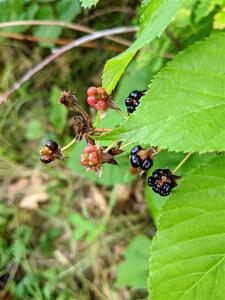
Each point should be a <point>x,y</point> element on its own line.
<point>33,39</point>
<point>90,37</point>
<point>182,162</point>
<point>72,26</point>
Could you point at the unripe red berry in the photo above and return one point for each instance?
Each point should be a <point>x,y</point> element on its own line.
<point>102,92</point>
<point>101,105</point>
<point>90,148</point>
<point>91,100</point>
<point>92,91</point>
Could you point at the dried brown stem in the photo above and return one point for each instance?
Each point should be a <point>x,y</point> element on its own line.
<point>90,37</point>
<point>67,25</point>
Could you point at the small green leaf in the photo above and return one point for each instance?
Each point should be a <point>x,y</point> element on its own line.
<point>88,3</point>
<point>133,271</point>
<point>155,18</point>
<point>187,256</point>
<point>174,113</point>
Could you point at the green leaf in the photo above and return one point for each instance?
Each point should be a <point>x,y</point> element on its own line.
<point>185,106</point>
<point>155,18</point>
<point>88,3</point>
<point>136,259</point>
<point>187,257</point>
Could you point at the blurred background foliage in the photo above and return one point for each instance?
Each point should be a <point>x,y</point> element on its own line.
<point>64,234</point>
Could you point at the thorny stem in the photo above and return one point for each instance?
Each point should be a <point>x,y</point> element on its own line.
<point>87,38</point>
<point>68,145</point>
<point>182,162</point>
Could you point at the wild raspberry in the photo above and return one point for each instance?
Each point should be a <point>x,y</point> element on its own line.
<point>162,181</point>
<point>52,145</point>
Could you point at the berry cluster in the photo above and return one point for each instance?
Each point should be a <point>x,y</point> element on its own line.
<point>91,157</point>
<point>97,98</point>
<point>162,181</point>
<point>140,158</point>
<point>50,152</point>
<point>132,101</point>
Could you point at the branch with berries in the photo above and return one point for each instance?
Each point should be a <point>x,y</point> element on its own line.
<point>162,181</point>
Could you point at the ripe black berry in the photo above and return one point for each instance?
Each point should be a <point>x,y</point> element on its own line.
<point>135,161</point>
<point>136,94</point>
<point>132,101</point>
<point>130,109</point>
<point>45,159</point>
<point>135,149</point>
<point>165,189</point>
<point>128,101</point>
<point>52,145</point>
<point>146,164</point>
<point>150,181</point>
<point>162,181</point>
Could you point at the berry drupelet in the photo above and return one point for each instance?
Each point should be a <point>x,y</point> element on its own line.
<point>52,145</point>
<point>139,158</point>
<point>162,181</point>
<point>132,101</point>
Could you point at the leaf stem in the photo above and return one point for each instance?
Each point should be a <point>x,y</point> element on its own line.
<point>182,162</point>
<point>102,130</point>
<point>126,145</point>
<point>110,147</point>
<point>68,145</point>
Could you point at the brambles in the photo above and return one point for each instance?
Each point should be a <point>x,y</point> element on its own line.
<point>132,101</point>
<point>162,181</point>
<point>95,155</point>
<point>142,159</point>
